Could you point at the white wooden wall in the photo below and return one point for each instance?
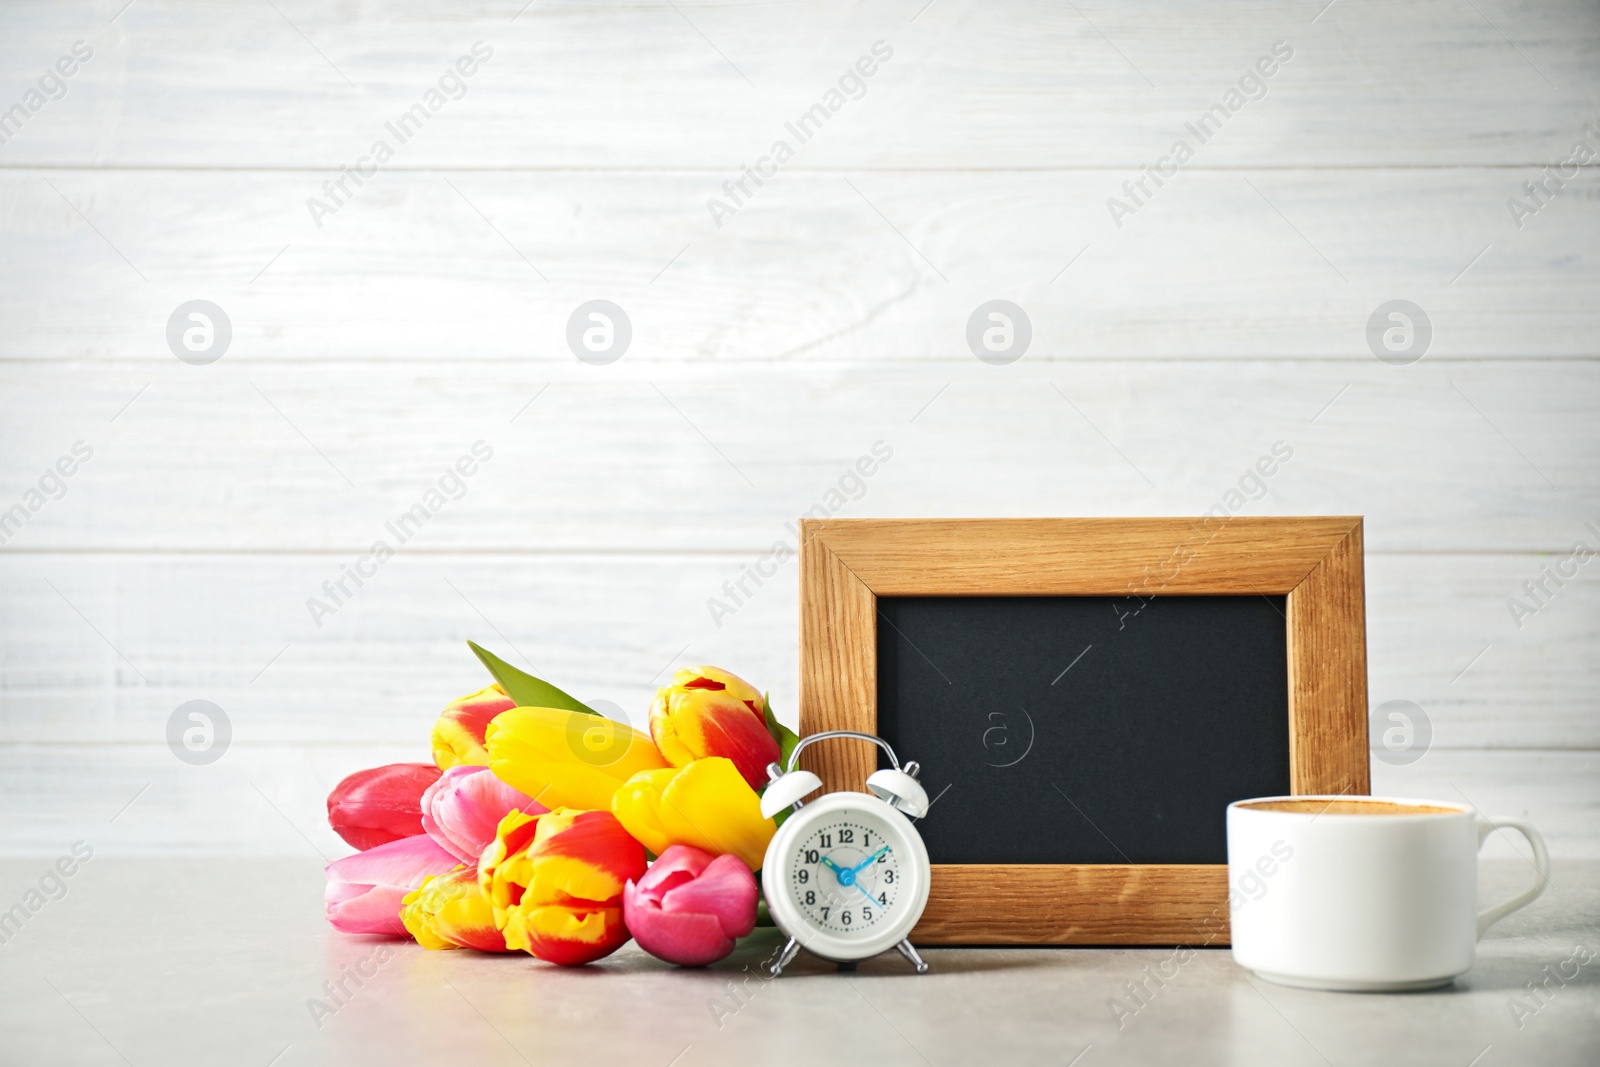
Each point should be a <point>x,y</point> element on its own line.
<point>769,353</point>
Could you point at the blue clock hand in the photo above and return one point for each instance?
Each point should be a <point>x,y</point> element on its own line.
<point>838,871</point>
<point>870,860</point>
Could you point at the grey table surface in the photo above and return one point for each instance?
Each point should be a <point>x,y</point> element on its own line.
<point>223,960</point>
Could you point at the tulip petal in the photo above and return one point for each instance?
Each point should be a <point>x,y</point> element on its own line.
<point>458,732</point>
<point>503,867</point>
<point>709,799</point>
<point>566,758</point>
<point>365,891</point>
<point>371,909</point>
<point>707,712</point>
<point>555,883</point>
<point>448,911</point>
<point>567,936</point>
<point>726,890</point>
<point>584,856</point>
<point>404,863</point>
<point>687,940</point>
<point>380,804</point>
<point>637,803</point>
<point>714,678</point>
<point>675,866</point>
<point>707,805</point>
<point>464,807</point>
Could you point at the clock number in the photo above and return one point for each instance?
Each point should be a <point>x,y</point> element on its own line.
<point>845,917</point>
<point>866,839</point>
<point>866,915</point>
<point>811,897</point>
<point>883,898</point>
<point>827,840</point>
<point>811,856</point>
<point>824,913</point>
<point>847,837</point>
<point>888,875</point>
<point>883,857</point>
<point>804,876</point>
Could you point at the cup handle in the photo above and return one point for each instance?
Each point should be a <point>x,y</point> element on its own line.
<point>1541,864</point>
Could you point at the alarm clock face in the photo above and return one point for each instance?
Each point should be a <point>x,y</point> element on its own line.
<point>847,875</point>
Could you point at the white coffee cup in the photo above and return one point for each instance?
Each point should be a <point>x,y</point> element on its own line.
<point>1362,893</point>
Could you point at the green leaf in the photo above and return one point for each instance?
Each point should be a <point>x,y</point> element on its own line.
<point>524,688</point>
<point>785,737</point>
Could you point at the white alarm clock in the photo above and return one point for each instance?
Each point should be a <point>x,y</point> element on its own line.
<point>846,876</point>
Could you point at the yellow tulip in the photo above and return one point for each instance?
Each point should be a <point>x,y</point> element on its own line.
<point>707,804</point>
<point>450,911</point>
<point>566,758</point>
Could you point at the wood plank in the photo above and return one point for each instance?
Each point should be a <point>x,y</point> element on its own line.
<point>1221,265</point>
<point>969,84</point>
<point>1438,458</point>
<point>1071,904</point>
<point>237,631</point>
<point>1189,556</point>
<point>1442,634</point>
<point>1557,791</point>
<point>1327,629</point>
<point>609,626</point>
<point>838,665</point>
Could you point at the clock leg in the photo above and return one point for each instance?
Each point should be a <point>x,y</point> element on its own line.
<point>910,953</point>
<point>785,956</point>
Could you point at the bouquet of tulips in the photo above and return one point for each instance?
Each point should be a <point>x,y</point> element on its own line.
<point>535,825</point>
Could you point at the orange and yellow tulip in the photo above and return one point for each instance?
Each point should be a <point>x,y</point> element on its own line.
<point>555,882</point>
<point>709,712</point>
<point>450,911</point>
<point>458,732</point>
<point>567,759</point>
<point>706,804</point>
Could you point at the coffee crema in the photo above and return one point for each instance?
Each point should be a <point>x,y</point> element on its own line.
<point>1353,806</point>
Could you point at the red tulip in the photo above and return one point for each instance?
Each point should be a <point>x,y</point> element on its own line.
<point>381,804</point>
<point>689,907</point>
<point>365,891</point>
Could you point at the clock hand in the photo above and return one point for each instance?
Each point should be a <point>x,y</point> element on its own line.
<point>838,871</point>
<point>870,897</point>
<point>870,860</point>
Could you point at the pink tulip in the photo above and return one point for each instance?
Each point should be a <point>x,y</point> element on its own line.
<point>688,908</point>
<point>380,804</point>
<point>365,891</point>
<point>463,808</point>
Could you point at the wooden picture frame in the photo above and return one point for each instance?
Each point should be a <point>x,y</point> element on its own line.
<point>1314,562</point>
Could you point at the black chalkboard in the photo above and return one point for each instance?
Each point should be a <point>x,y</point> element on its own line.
<point>1085,729</point>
